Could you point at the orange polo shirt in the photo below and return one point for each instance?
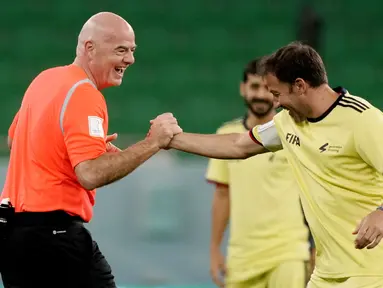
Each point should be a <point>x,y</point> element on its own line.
<point>62,121</point>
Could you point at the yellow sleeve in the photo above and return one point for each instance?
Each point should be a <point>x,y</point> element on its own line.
<point>218,170</point>
<point>254,135</point>
<point>368,137</point>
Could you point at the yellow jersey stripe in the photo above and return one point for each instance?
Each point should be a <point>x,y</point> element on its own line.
<point>351,105</point>
<point>356,104</point>
<point>354,100</point>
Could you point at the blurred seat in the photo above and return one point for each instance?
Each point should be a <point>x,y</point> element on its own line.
<point>190,55</point>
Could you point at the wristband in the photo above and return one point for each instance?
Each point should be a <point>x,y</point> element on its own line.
<point>380,208</point>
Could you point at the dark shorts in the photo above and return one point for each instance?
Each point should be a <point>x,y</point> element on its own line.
<point>60,256</point>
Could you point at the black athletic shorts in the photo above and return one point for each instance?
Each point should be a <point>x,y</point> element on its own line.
<point>53,255</point>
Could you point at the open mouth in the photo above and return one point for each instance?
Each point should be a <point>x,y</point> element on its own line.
<point>119,70</point>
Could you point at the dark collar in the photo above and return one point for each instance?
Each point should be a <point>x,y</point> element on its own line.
<point>341,91</point>
<point>244,122</point>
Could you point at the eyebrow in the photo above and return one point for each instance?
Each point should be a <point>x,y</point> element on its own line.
<point>126,47</point>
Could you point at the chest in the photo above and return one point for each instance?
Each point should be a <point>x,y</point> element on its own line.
<point>329,146</point>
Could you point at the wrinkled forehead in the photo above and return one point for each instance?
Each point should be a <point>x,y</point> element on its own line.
<point>120,36</point>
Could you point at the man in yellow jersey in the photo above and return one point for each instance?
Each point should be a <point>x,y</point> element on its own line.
<point>268,244</point>
<point>334,145</point>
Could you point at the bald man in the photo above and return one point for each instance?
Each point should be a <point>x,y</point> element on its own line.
<point>60,153</point>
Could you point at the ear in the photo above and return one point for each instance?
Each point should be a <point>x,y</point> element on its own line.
<point>242,89</point>
<point>89,47</point>
<point>300,86</point>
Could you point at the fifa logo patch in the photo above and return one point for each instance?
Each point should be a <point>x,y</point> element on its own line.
<point>293,139</point>
<point>95,126</point>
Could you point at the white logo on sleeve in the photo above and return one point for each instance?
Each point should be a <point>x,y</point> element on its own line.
<point>95,126</point>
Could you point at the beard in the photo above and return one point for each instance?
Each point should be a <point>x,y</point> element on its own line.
<point>259,112</point>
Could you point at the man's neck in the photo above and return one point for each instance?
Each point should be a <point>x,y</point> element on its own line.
<point>320,100</point>
<point>253,120</point>
<point>78,63</point>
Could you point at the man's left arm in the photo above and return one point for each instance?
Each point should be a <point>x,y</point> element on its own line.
<point>368,139</point>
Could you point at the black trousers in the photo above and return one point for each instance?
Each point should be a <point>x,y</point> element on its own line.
<point>61,254</point>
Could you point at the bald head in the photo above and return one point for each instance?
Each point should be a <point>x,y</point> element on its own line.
<point>105,48</point>
<point>102,26</point>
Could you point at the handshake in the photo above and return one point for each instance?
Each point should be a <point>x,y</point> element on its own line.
<point>162,130</point>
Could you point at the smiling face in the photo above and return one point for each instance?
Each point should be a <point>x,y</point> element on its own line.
<point>289,97</point>
<point>110,55</point>
<point>256,96</point>
<point>291,73</point>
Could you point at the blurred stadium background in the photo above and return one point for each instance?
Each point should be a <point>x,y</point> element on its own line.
<point>154,225</point>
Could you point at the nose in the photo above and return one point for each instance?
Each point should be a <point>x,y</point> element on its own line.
<point>129,58</point>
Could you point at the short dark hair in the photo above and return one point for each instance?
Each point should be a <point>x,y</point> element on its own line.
<point>296,60</point>
<point>252,68</point>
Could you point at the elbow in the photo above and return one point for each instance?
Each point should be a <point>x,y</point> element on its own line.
<point>86,183</point>
<point>86,176</point>
<point>246,155</point>
<point>241,151</point>
<point>246,147</point>
<point>241,154</point>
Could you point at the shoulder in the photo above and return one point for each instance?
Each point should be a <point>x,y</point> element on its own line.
<point>46,78</point>
<point>362,114</point>
<point>359,111</point>
<point>85,92</point>
<point>233,126</point>
<point>281,117</point>
<point>371,117</point>
<point>51,72</point>
<point>75,81</point>
<point>355,103</point>
<point>83,98</point>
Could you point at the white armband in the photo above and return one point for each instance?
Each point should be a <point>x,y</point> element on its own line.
<point>268,135</point>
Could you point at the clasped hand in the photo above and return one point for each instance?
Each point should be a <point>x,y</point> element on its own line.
<point>163,128</point>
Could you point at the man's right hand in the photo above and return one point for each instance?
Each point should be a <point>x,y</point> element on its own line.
<point>217,267</point>
<point>110,147</point>
<point>163,128</point>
